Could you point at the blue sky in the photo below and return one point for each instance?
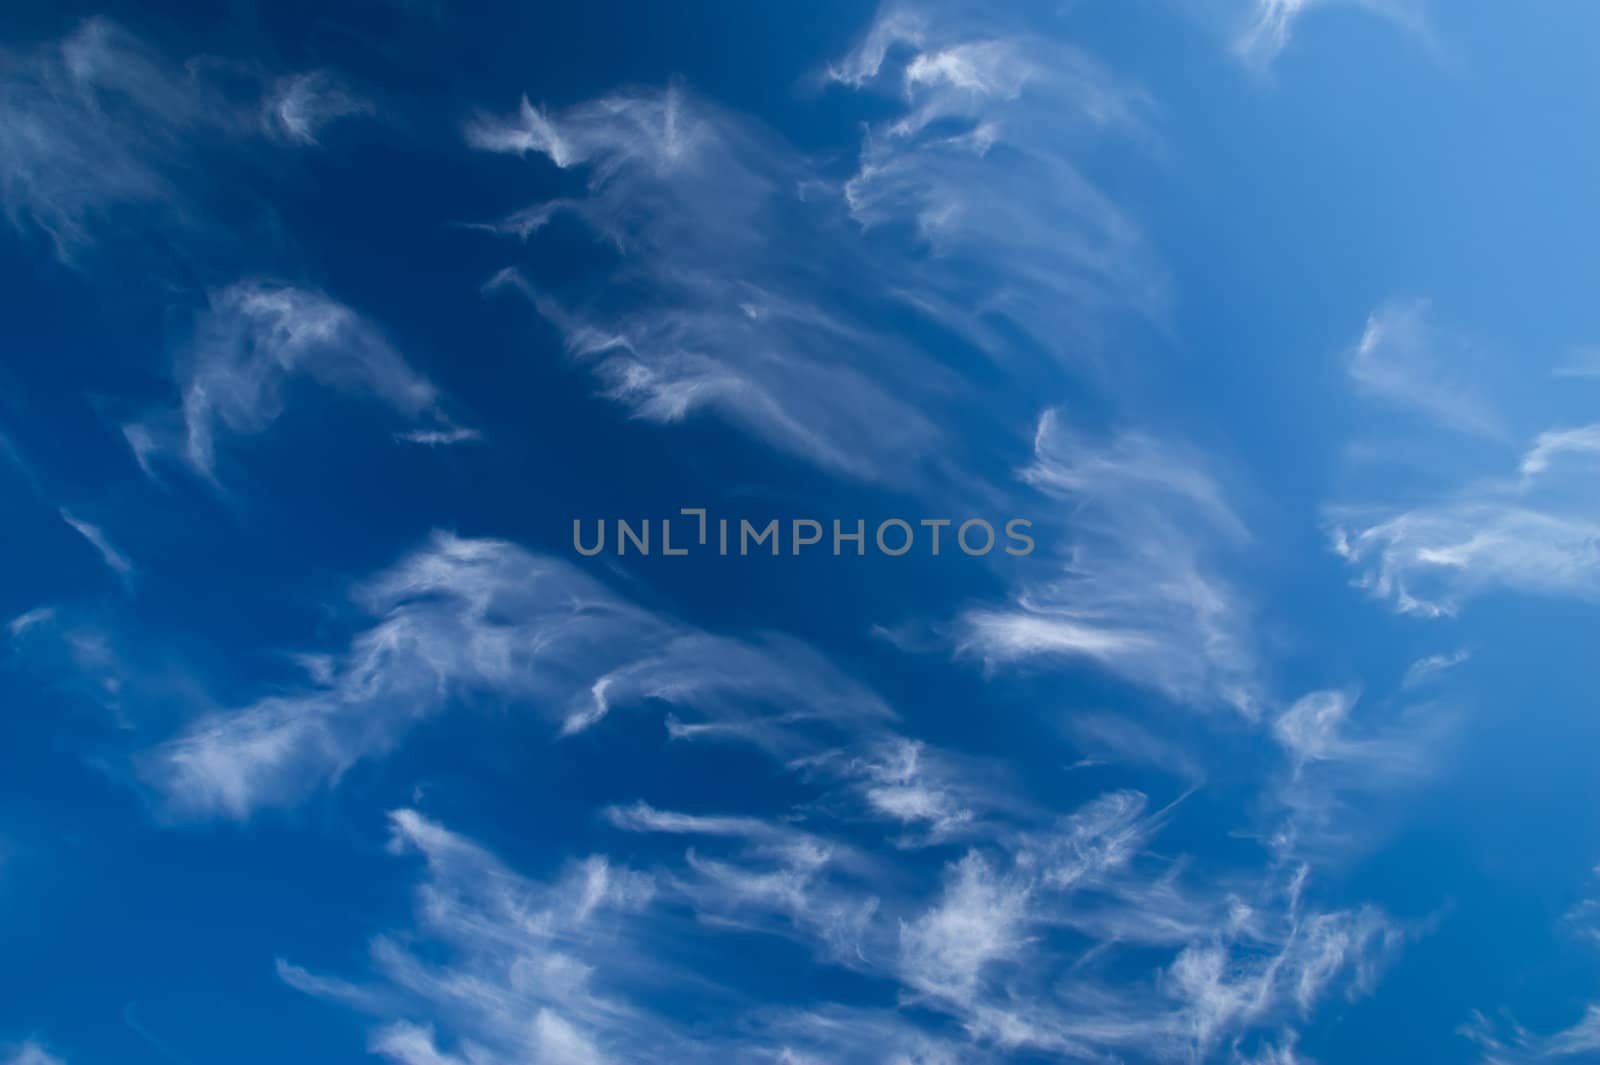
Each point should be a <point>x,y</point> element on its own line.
<point>1272,319</point>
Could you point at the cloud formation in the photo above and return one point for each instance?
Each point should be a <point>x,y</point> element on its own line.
<point>724,282</point>
<point>250,343</point>
<point>100,132</point>
<point>459,620</point>
<point>31,1053</point>
<point>298,106</point>
<point>1268,25</point>
<point>1536,534</point>
<point>1145,526</point>
<point>1243,958</point>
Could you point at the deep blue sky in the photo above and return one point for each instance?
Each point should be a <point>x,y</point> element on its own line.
<point>320,742</point>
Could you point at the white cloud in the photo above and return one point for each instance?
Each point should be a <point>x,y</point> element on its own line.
<point>979,920</point>
<point>1269,24</point>
<point>1535,532</point>
<point>440,437</point>
<point>982,170</point>
<point>1538,534</point>
<point>28,619</point>
<point>1407,360</point>
<point>1425,670</point>
<point>459,620</point>
<point>31,1053</point>
<point>1334,762</point>
<point>87,127</point>
<point>512,965</point>
<point>454,619</point>
<point>115,560</point>
<point>734,249</point>
<point>1139,594</point>
<point>1584,441</point>
<point>718,305</point>
<point>493,952</point>
<point>299,106</point>
<point>99,132</point>
<point>252,340</point>
<point>1521,1047</point>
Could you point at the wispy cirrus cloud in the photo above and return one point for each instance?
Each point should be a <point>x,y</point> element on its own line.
<point>1138,591</point>
<point>982,171</point>
<point>512,963</point>
<point>1518,1046</point>
<point>1528,526</point>
<point>114,559</point>
<point>1430,668</point>
<point>1535,534</point>
<point>250,343</point>
<point>1267,26</point>
<point>1339,765</point>
<point>30,1053</point>
<point>724,282</point>
<point>459,620</point>
<point>1405,358</point>
<point>99,131</point>
<point>586,948</point>
<point>90,124</point>
<point>1503,1041</point>
<point>746,272</point>
<point>297,107</point>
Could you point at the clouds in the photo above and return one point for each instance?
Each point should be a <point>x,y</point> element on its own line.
<point>1340,763</point>
<point>726,301</point>
<point>747,272</point>
<point>100,133</point>
<point>1270,24</point>
<point>1425,670</point>
<point>1526,525</point>
<point>1406,360</point>
<point>460,620</point>
<point>698,837</point>
<point>981,169</point>
<point>455,619</point>
<point>1509,1043</point>
<point>115,560</point>
<point>31,1053</point>
<point>500,967</point>
<point>1138,593</point>
<point>1536,535</point>
<point>249,345</point>
<point>977,921</point>
<point>510,961</point>
<point>1521,1047</point>
<point>298,106</point>
<point>92,124</point>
